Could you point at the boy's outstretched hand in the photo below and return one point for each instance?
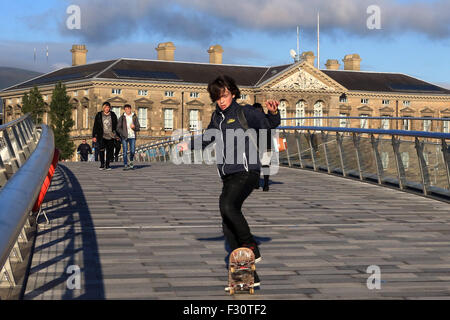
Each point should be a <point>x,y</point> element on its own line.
<point>272,106</point>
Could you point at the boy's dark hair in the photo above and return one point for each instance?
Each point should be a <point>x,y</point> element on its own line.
<point>258,106</point>
<point>106,103</point>
<point>127,106</point>
<point>216,87</point>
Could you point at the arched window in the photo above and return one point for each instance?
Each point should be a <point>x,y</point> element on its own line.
<point>282,108</point>
<point>318,112</point>
<point>300,113</point>
<point>75,117</point>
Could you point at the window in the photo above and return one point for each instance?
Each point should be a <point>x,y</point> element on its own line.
<point>86,117</point>
<point>143,92</point>
<point>193,120</point>
<point>343,98</point>
<point>405,159</point>
<point>116,110</point>
<point>244,96</point>
<point>46,97</point>
<point>406,103</point>
<point>427,124</point>
<point>116,91</point>
<point>282,110</point>
<point>168,119</point>
<point>194,95</point>
<point>446,126</point>
<point>364,101</point>
<point>169,94</point>
<point>364,122</point>
<point>75,93</point>
<point>406,123</point>
<point>75,118</point>
<point>300,113</point>
<point>86,92</point>
<point>384,159</point>
<point>343,122</point>
<point>385,123</point>
<point>385,102</point>
<point>142,117</point>
<point>318,112</point>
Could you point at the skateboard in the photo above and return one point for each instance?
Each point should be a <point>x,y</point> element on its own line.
<point>241,271</point>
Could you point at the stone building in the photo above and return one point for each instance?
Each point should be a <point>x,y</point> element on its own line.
<point>168,95</point>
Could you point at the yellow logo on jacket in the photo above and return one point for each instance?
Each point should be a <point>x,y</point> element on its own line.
<point>230,121</point>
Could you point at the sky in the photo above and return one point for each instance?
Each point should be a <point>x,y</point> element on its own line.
<point>405,36</point>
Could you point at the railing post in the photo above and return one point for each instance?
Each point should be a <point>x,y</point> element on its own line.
<point>423,167</point>
<point>7,279</point>
<point>356,142</point>
<point>377,157</point>
<point>313,156</point>
<point>287,150</point>
<point>341,154</point>
<point>398,162</point>
<point>299,148</point>
<point>13,163</point>
<point>325,150</point>
<point>20,150</point>
<point>446,157</point>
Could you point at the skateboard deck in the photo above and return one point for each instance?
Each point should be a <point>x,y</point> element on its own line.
<point>241,271</point>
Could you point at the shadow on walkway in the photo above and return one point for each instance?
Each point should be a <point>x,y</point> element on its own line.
<point>78,225</point>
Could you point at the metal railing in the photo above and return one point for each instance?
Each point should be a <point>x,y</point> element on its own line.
<point>25,158</point>
<point>409,160</point>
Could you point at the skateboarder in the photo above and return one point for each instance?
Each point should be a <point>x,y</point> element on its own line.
<point>238,173</point>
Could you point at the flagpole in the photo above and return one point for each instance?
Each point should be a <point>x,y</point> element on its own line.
<point>318,40</point>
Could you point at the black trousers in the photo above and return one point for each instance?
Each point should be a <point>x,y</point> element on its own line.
<point>84,156</point>
<point>236,188</point>
<point>107,146</point>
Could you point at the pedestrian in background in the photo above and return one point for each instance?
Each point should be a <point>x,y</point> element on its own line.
<point>84,150</point>
<point>104,131</point>
<point>127,127</point>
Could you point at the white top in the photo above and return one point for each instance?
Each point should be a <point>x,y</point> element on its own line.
<point>130,131</point>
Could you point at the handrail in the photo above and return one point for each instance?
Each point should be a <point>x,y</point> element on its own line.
<point>375,118</point>
<point>421,134</point>
<point>19,194</point>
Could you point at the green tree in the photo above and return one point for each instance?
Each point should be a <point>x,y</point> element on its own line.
<point>61,121</point>
<point>33,103</point>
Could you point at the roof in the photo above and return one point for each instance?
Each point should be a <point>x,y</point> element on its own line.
<point>203,73</point>
<point>382,82</point>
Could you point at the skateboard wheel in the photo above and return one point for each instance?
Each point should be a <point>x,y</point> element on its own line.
<point>253,267</point>
<point>231,291</point>
<point>252,291</point>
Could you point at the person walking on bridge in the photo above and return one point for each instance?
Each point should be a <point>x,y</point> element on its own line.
<point>127,127</point>
<point>84,150</point>
<point>104,131</point>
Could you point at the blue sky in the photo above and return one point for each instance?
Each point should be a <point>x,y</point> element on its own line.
<point>414,37</point>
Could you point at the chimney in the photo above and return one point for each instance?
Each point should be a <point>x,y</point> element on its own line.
<point>352,62</point>
<point>332,64</point>
<point>78,54</point>
<point>309,57</point>
<point>166,51</point>
<point>215,54</point>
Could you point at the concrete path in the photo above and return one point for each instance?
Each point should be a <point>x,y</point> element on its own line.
<point>154,233</point>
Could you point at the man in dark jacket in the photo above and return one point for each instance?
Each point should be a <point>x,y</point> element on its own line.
<point>127,127</point>
<point>84,149</point>
<point>237,166</point>
<point>104,131</point>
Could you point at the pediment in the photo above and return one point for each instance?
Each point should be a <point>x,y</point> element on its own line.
<point>195,103</point>
<point>117,100</point>
<point>74,101</point>
<point>386,109</point>
<point>344,107</point>
<point>303,77</point>
<point>447,110</point>
<point>170,101</point>
<point>427,110</point>
<point>407,109</point>
<point>365,108</point>
<point>143,101</point>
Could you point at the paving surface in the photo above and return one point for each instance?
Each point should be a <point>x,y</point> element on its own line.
<point>154,233</point>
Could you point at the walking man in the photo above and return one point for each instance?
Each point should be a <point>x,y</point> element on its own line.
<point>84,149</point>
<point>127,127</point>
<point>104,131</point>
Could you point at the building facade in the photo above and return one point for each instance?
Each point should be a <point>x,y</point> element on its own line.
<point>167,95</point>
